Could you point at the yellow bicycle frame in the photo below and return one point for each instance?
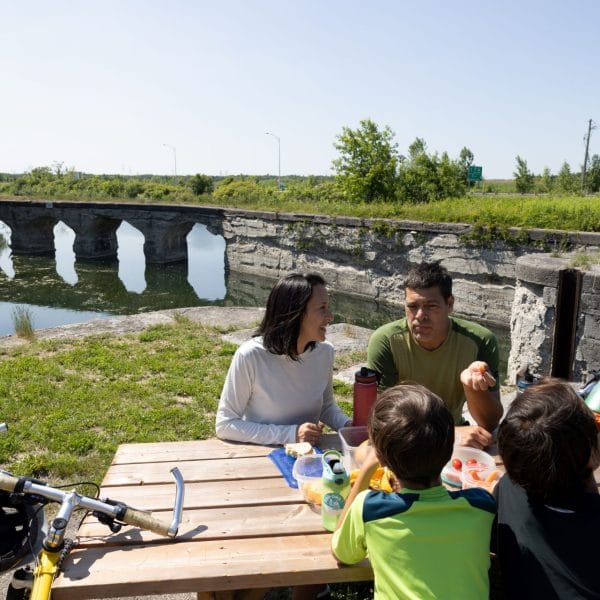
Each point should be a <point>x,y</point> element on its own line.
<point>44,574</point>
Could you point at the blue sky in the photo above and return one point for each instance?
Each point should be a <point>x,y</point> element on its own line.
<point>102,86</point>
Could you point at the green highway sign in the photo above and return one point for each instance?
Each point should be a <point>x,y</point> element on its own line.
<point>474,173</point>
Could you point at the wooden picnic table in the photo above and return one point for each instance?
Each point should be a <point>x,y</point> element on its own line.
<point>243,527</point>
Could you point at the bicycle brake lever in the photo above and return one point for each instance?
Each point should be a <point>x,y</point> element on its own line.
<point>108,521</point>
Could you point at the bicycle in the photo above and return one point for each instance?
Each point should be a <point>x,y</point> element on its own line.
<point>25,530</point>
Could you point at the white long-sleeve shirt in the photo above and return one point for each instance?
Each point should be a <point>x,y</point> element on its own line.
<point>266,396</point>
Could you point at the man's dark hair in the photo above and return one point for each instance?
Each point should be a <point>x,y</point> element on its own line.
<point>549,442</point>
<point>428,275</point>
<point>412,431</point>
<point>286,306</point>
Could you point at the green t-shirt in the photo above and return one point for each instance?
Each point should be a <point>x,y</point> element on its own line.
<point>422,544</point>
<point>395,355</point>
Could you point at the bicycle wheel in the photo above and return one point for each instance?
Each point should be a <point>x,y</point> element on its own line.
<point>17,594</point>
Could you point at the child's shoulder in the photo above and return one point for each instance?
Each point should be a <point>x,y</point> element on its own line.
<point>477,498</point>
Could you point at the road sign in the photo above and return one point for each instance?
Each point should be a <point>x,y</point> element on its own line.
<point>474,173</point>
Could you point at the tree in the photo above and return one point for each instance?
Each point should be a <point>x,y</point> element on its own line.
<point>201,184</point>
<point>465,159</point>
<point>593,174</point>
<point>546,181</point>
<point>523,177</point>
<point>426,177</point>
<point>367,168</point>
<point>565,180</point>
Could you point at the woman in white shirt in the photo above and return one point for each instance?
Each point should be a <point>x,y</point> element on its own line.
<point>279,385</point>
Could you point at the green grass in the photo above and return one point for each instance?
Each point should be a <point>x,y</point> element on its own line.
<point>563,212</point>
<point>70,403</point>
<point>23,322</point>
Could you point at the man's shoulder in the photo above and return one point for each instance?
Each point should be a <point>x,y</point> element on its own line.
<point>391,329</point>
<point>471,329</point>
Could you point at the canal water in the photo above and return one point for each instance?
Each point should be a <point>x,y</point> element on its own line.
<point>58,290</point>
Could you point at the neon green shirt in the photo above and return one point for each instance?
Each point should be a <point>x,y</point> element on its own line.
<point>395,355</point>
<point>422,544</point>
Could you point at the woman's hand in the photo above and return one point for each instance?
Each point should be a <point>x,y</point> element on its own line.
<point>309,432</point>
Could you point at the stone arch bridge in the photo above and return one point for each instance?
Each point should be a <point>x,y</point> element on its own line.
<point>95,224</point>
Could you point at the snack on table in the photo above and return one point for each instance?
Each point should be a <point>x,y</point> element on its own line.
<point>298,449</point>
<point>381,480</point>
<point>313,493</point>
<point>485,478</point>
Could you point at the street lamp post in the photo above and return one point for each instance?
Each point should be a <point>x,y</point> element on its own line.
<point>278,158</point>
<point>174,150</point>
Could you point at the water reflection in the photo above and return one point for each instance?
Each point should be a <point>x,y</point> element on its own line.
<point>60,290</point>
<point>64,237</point>
<point>132,263</point>
<point>6,265</point>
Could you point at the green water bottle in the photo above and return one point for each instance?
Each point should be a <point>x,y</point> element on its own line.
<point>336,487</point>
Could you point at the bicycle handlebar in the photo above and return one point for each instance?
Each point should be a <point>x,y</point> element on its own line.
<point>113,509</point>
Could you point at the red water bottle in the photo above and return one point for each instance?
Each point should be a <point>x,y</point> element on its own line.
<point>365,394</point>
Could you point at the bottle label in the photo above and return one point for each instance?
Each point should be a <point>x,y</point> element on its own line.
<point>333,502</point>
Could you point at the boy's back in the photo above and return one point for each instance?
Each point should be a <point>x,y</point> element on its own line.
<point>422,544</point>
<point>548,503</point>
<point>545,552</point>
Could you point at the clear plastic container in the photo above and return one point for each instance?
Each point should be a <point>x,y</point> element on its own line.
<point>352,438</point>
<point>308,472</point>
<point>480,461</point>
<point>485,478</point>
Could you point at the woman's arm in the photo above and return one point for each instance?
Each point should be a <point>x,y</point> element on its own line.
<point>236,394</point>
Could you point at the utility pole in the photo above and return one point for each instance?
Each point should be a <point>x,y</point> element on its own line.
<point>278,158</point>
<point>587,154</point>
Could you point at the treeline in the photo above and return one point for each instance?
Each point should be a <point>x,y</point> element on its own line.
<point>369,169</point>
<point>563,182</point>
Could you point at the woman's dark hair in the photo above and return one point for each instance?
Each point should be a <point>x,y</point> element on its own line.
<point>412,431</point>
<point>428,275</point>
<point>549,442</point>
<point>286,306</point>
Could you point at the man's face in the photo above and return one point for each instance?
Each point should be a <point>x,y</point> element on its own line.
<point>427,315</point>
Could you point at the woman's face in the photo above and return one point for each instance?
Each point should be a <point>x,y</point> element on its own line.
<point>316,316</point>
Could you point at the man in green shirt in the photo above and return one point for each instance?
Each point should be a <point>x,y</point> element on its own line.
<point>454,358</point>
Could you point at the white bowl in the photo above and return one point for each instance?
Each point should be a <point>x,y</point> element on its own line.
<point>482,461</point>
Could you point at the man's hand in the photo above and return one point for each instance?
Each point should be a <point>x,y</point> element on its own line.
<point>477,377</point>
<point>309,432</point>
<point>474,436</point>
<point>483,403</point>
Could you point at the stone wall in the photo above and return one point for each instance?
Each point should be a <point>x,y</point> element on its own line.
<point>368,258</point>
<point>534,313</point>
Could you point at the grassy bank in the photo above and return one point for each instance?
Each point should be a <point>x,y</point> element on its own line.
<point>571,213</point>
<point>70,403</point>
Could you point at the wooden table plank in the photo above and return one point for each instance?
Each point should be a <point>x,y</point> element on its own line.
<point>192,471</point>
<point>214,523</point>
<point>210,494</point>
<point>189,450</point>
<point>197,567</point>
